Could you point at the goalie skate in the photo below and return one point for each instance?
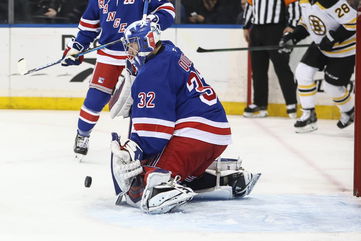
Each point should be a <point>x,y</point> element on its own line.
<point>164,196</point>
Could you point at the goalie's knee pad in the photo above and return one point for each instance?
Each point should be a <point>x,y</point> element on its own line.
<point>162,194</point>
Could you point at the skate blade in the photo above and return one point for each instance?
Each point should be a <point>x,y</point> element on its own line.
<point>306,129</point>
<point>79,157</point>
<point>259,114</point>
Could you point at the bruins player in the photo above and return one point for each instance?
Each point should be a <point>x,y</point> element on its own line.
<point>332,26</point>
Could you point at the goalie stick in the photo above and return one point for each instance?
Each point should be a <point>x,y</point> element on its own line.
<point>256,48</point>
<point>22,65</point>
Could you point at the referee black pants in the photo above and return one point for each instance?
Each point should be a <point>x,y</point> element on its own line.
<point>263,35</point>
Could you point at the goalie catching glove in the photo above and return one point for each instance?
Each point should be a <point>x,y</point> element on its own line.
<point>73,48</point>
<point>125,163</point>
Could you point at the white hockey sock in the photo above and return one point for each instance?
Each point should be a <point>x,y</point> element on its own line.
<point>340,96</point>
<point>306,88</point>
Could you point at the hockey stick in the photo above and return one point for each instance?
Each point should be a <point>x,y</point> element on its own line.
<point>256,48</point>
<point>22,65</point>
<point>145,9</point>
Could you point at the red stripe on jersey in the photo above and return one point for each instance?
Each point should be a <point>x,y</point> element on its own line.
<point>167,8</point>
<point>88,116</point>
<point>155,128</point>
<point>101,52</point>
<point>204,127</point>
<point>89,25</point>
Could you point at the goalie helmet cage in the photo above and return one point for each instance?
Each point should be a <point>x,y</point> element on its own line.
<point>357,142</point>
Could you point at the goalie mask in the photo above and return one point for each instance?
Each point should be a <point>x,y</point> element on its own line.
<point>140,39</point>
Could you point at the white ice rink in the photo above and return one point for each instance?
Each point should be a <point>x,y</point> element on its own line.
<point>304,193</point>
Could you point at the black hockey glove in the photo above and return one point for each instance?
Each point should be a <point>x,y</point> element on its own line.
<point>290,39</point>
<point>327,42</point>
<point>286,43</point>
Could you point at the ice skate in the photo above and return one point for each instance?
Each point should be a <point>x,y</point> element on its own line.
<point>292,111</point>
<point>307,122</point>
<point>81,146</point>
<point>346,119</point>
<point>254,111</point>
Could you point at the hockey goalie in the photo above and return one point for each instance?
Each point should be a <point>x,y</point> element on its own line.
<point>179,130</point>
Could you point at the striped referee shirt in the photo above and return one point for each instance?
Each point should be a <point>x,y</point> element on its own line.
<point>260,12</point>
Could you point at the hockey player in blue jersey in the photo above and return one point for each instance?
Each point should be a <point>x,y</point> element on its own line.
<point>179,129</point>
<point>107,20</point>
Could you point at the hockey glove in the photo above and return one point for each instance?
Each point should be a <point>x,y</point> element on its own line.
<point>286,43</point>
<point>152,18</point>
<point>125,163</point>
<point>327,42</point>
<point>72,49</point>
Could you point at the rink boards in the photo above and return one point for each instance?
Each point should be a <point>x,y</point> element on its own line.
<point>60,87</point>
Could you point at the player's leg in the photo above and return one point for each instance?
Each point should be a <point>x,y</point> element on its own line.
<point>337,75</point>
<point>283,71</point>
<point>155,191</point>
<point>312,61</point>
<point>187,157</point>
<point>194,161</point>
<point>260,64</point>
<point>161,189</point>
<point>104,79</point>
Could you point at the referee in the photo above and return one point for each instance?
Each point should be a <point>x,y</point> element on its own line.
<point>265,23</point>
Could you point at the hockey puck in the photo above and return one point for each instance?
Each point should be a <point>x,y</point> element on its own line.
<point>88,181</point>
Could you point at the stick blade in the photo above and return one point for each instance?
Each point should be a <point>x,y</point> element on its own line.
<point>22,66</point>
<point>201,50</point>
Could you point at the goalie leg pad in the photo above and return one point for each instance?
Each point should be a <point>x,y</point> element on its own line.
<point>223,173</point>
<point>162,194</point>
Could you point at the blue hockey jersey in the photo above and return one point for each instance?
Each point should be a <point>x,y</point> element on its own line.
<point>109,19</point>
<point>172,98</point>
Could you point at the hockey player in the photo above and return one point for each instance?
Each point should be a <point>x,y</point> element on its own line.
<point>107,20</point>
<point>179,129</point>
<point>332,27</point>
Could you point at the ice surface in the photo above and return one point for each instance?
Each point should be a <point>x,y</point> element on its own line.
<point>304,193</point>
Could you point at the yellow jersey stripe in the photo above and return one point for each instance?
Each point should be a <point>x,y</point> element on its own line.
<point>341,50</point>
<point>353,40</point>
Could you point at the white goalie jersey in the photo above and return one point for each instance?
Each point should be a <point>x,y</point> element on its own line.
<point>320,17</point>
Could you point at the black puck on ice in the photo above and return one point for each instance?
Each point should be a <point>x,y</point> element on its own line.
<point>88,181</point>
